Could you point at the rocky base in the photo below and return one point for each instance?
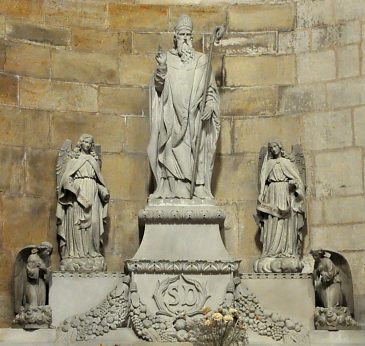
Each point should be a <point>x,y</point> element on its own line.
<point>278,265</point>
<point>83,265</point>
<point>335,318</point>
<point>34,317</point>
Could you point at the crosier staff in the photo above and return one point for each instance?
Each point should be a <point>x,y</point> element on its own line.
<point>217,35</point>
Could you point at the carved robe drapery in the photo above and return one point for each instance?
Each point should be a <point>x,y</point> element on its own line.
<point>281,208</point>
<point>175,96</point>
<point>80,210</point>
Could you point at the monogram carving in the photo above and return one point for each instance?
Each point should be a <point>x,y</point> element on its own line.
<point>179,294</point>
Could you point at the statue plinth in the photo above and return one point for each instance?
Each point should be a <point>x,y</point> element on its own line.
<point>181,266</point>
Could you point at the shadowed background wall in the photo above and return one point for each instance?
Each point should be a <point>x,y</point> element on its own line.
<point>292,70</point>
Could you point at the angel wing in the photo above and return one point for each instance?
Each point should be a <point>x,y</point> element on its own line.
<point>97,149</point>
<point>262,154</point>
<point>20,276</point>
<point>297,157</point>
<point>63,157</point>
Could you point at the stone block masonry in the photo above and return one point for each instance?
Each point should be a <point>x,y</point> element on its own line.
<point>286,69</point>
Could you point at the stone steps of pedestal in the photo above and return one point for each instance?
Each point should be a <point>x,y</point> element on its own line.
<point>126,337</point>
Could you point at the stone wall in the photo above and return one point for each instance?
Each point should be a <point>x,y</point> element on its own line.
<point>293,70</point>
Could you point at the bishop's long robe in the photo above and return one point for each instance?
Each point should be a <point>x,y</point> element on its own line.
<point>176,95</point>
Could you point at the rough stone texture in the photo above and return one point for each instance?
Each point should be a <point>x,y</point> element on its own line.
<point>315,13</point>
<point>348,60</point>
<point>108,130</point>
<point>20,227</point>
<point>328,130</point>
<point>347,10</point>
<point>39,166</point>
<point>123,100</point>
<point>240,177</point>
<point>264,17</point>
<point>54,36</point>
<point>136,69</point>
<point>126,169</point>
<point>336,35</point>
<point>294,41</point>
<point>53,95</point>
<point>248,101</point>
<point>344,210</point>
<point>137,134</point>
<point>250,134</point>
<point>6,309</point>
<point>263,70</point>
<point>332,177</point>
<point>359,126</point>
<point>2,53</point>
<point>138,17</point>
<point>316,67</point>
<point>89,68</point>
<point>6,269</point>
<point>11,126</point>
<point>249,244</point>
<point>124,241</point>
<point>316,212</point>
<point>87,13</point>
<point>36,128</point>
<point>91,40</point>
<point>2,26</point>
<point>246,44</point>
<point>346,93</point>
<point>205,19</point>
<point>12,172</point>
<point>8,89</point>
<point>28,60</point>
<point>224,145</point>
<point>24,9</point>
<point>339,238</point>
<point>299,99</point>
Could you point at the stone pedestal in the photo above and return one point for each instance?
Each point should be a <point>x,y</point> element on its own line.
<point>290,295</point>
<point>75,293</point>
<point>181,266</point>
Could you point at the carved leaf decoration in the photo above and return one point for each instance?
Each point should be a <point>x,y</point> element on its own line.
<point>262,154</point>
<point>203,295</point>
<point>20,275</point>
<point>160,290</point>
<point>64,156</point>
<point>297,157</point>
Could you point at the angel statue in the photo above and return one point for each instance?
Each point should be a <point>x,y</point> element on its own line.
<point>280,209</point>
<point>32,278</point>
<point>81,206</point>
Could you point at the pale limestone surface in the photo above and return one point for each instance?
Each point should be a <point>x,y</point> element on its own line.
<point>73,294</point>
<point>294,111</point>
<point>297,291</point>
<point>43,337</point>
<point>316,67</point>
<point>82,205</point>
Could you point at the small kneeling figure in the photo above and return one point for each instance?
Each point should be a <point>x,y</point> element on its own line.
<point>32,279</point>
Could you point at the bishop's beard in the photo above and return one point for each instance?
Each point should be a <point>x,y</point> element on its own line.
<point>185,51</point>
